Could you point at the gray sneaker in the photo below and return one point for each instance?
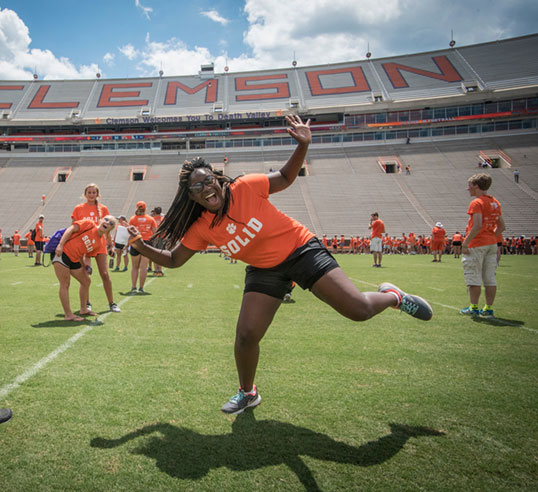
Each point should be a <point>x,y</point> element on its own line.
<point>141,290</point>
<point>413,305</point>
<point>5,414</point>
<point>241,401</point>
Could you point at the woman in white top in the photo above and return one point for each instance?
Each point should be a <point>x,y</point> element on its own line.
<point>120,243</point>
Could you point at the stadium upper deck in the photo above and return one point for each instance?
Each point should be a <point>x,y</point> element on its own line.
<point>43,110</point>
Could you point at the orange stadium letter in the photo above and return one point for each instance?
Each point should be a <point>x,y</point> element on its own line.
<point>360,83</point>
<point>448,72</point>
<point>282,89</point>
<point>210,86</point>
<point>108,93</point>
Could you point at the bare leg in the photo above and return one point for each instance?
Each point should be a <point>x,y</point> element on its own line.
<point>474,293</point>
<point>84,292</point>
<point>490,292</point>
<point>102,264</point>
<point>143,270</point>
<point>134,270</point>
<point>62,272</point>
<point>337,290</point>
<point>257,313</point>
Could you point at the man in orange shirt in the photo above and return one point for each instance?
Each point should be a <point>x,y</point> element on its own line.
<point>438,242</point>
<point>480,245</point>
<point>237,216</point>
<point>39,239</point>
<point>376,241</point>
<point>16,242</point>
<point>146,226</point>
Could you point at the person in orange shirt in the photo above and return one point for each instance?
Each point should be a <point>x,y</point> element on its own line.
<point>145,224</point>
<point>325,242</point>
<point>457,239</point>
<point>39,239</point>
<point>94,210</point>
<point>81,239</point>
<point>30,245</point>
<point>480,245</point>
<point>438,242</point>
<point>412,243</point>
<point>16,242</point>
<point>237,216</point>
<point>376,242</point>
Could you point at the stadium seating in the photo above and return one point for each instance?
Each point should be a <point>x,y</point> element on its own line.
<point>343,187</point>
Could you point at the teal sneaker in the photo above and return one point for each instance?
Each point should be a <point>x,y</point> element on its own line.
<point>241,401</point>
<point>413,305</point>
<point>487,313</point>
<point>469,311</point>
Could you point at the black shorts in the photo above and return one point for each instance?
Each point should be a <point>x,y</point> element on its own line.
<point>456,243</point>
<point>39,245</point>
<point>119,246</point>
<point>305,266</point>
<point>134,251</point>
<point>65,261</point>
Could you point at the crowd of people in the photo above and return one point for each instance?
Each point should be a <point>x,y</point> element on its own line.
<point>411,244</point>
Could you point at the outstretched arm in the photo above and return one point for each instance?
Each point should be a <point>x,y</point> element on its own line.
<point>286,176</point>
<point>168,259</point>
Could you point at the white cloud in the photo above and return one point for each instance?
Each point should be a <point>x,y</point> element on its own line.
<point>215,16</point>
<point>109,59</point>
<point>146,11</point>
<point>18,61</point>
<point>128,51</point>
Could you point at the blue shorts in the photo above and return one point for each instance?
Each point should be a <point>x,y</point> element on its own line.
<point>305,266</point>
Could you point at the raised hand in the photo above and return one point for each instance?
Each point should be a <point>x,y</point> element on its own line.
<point>299,131</point>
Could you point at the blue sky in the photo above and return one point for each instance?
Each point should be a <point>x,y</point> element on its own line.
<point>62,39</point>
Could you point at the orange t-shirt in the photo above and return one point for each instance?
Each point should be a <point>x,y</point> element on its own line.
<point>39,234</point>
<point>254,230</point>
<point>28,237</point>
<point>490,209</point>
<point>438,234</point>
<point>378,228</point>
<point>84,242</point>
<point>16,239</point>
<point>144,224</point>
<point>85,211</point>
<point>457,237</point>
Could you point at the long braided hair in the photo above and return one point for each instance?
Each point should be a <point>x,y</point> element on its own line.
<point>184,212</point>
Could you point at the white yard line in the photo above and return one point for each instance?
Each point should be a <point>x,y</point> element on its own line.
<point>32,371</point>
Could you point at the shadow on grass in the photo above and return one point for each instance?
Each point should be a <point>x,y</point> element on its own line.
<point>498,321</point>
<point>185,454</point>
<point>60,322</point>
<point>135,294</point>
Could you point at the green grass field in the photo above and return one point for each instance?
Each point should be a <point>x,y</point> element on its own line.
<point>132,402</point>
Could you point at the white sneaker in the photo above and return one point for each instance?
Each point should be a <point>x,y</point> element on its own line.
<point>115,308</point>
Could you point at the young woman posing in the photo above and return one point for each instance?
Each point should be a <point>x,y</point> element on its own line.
<point>236,215</point>
<point>81,239</point>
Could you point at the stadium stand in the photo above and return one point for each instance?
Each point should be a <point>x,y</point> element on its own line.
<point>441,113</point>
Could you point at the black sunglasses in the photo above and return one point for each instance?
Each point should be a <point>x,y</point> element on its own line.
<point>198,187</point>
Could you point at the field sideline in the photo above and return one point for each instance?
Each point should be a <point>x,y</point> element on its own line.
<point>131,401</point>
